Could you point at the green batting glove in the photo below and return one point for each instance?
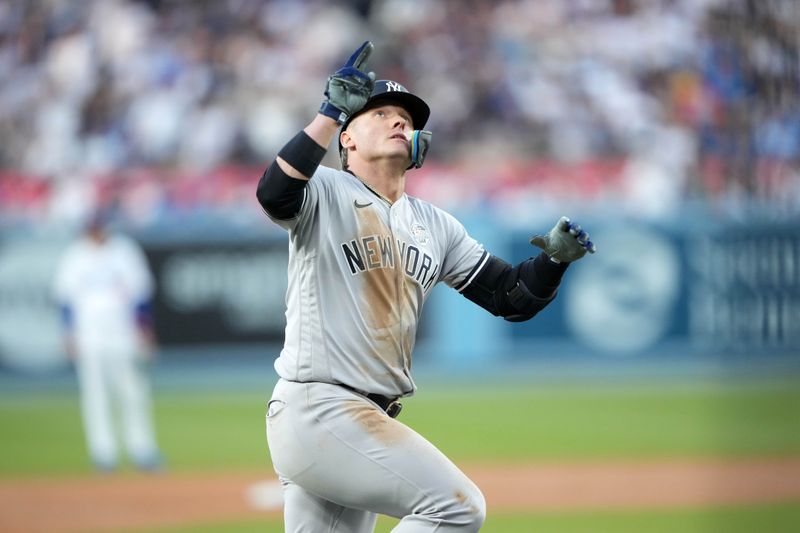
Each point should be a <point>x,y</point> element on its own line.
<point>566,242</point>
<point>349,88</point>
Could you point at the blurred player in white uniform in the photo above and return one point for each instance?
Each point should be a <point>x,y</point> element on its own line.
<point>363,258</point>
<point>104,287</point>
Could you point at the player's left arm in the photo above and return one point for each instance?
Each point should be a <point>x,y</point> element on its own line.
<point>518,293</point>
<point>141,287</point>
<point>143,313</point>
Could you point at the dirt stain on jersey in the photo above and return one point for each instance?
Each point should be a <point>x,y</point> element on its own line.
<point>409,315</point>
<point>381,296</point>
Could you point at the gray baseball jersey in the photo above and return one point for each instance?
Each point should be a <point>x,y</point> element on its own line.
<point>360,270</point>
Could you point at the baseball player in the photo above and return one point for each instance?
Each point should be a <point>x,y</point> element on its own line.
<point>103,286</point>
<point>363,258</point>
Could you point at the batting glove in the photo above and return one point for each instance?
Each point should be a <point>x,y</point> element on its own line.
<point>349,88</point>
<point>566,242</point>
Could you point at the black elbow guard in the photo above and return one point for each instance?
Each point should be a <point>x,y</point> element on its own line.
<point>514,298</point>
<point>517,293</point>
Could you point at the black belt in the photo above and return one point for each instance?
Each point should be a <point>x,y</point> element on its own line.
<point>390,405</point>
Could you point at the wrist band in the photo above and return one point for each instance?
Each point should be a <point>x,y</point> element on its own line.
<point>303,154</point>
<point>331,111</point>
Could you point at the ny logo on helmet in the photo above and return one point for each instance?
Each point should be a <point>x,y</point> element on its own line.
<point>394,86</point>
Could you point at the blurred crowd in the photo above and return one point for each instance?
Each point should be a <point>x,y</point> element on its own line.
<point>171,105</point>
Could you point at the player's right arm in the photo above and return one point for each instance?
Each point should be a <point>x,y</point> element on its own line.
<point>281,188</point>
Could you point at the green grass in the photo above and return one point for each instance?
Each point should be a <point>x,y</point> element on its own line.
<point>538,422</point>
<point>43,434</point>
<point>710,419</point>
<point>225,431</point>
<point>214,431</point>
<point>749,519</point>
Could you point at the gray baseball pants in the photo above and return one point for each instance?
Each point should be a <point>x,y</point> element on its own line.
<point>342,460</point>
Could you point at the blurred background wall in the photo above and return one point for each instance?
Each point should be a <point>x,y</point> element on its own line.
<point>669,128</point>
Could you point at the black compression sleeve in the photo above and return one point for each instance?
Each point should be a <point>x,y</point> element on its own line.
<point>303,153</point>
<point>484,285</point>
<point>280,194</point>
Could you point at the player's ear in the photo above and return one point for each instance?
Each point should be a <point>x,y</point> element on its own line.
<point>346,140</point>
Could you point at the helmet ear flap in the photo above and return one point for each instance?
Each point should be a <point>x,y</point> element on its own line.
<point>420,144</point>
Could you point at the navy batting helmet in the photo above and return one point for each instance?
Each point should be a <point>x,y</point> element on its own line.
<point>387,92</point>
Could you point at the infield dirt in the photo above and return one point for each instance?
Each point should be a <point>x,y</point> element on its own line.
<point>124,501</point>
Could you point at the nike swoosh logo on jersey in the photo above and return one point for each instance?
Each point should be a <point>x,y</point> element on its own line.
<point>358,205</point>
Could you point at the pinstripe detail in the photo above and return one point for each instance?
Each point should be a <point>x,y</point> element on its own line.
<point>474,272</point>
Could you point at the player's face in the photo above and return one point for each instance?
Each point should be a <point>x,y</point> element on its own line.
<point>381,133</point>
